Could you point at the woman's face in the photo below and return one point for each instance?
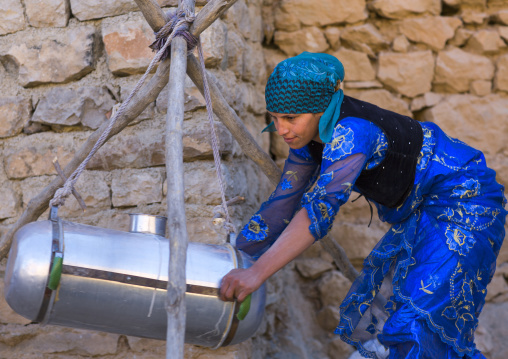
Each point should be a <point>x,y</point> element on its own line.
<point>297,129</point>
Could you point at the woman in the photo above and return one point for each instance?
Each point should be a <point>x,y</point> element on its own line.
<point>444,205</point>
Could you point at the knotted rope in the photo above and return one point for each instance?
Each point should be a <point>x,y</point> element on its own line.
<point>178,25</point>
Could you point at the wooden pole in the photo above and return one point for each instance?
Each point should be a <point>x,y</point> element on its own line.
<point>177,224</point>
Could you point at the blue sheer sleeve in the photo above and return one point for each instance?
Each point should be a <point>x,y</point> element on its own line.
<point>332,190</point>
<point>356,144</point>
<point>276,213</point>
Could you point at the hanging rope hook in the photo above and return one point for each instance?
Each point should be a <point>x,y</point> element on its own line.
<point>178,25</point>
<point>61,194</point>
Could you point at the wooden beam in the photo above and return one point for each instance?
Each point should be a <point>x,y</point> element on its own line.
<point>177,223</point>
<point>145,96</point>
<point>233,123</point>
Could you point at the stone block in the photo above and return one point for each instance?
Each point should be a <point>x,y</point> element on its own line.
<point>147,114</point>
<point>461,37</point>
<point>483,340</point>
<point>495,318</point>
<point>47,13</point>
<point>12,18</point>
<point>53,341</point>
<point>433,31</point>
<point>485,42</point>
<point>88,106</point>
<point>213,40</point>
<point>329,317</point>
<point>254,64</point>
<point>238,16</point>
<point>428,99</point>
<point>501,79</point>
<point>93,188</point>
<point>472,17</point>
<point>382,98</point>
<point>339,349</point>
<point>14,334</point>
<point>126,41</point>
<point>32,186</point>
<point>235,48</point>
<point>10,202</point>
<point>54,60</point>
<point>453,70</point>
<point>500,17</point>
<point>409,74</point>
<point>357,65</point>
<point>256,33</point>
<point>332,35</point>
<point>328,12</point>
<point>193,98</point>
<point>132,187</point>
<point>366,34</point>
<point>399,9</point>
<point>478,121</point>
<point>400,44</point>
<point>503,32</point>
<point>14,115</point>
<point>201,183</point>
<point>333,288</point>
<point>480,87</point>
<point>307,39</point>
<point>496,287</point>
<point>96,9</point>
<point>312,268</point>
<point>7,315</point>
<point>33,155</point>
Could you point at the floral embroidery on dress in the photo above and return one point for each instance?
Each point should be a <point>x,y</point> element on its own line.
<point>285,184</point>
<point>342,144</point>
<point>379,152</point>
<point>256,230</point>
<point>459,241</point>
<point>468,189</point>
<point>427,149</point>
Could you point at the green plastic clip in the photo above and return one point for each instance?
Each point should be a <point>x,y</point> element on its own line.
<point>56,272</point>
<point>244,308</point>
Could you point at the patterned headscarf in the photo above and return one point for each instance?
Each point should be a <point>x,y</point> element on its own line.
<point>306,84</point>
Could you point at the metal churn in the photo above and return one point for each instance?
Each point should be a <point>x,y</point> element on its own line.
<point>115,281</point>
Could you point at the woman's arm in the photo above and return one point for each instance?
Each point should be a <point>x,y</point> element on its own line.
<point>295,239</point>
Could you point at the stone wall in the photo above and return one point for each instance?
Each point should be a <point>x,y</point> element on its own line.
<point>65,64</point>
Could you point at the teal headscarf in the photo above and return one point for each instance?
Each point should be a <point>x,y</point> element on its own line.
<point>306,84</point>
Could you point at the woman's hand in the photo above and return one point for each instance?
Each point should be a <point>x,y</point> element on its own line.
<point>238,284</point>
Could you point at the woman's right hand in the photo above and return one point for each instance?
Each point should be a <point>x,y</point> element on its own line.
<point>238,284</point>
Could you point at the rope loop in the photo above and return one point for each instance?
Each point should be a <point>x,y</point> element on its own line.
<point>178,25</point>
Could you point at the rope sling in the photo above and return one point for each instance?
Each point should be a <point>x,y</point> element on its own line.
<point>178,25</point>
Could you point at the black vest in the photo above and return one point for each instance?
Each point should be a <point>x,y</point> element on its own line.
<point>390,182</point>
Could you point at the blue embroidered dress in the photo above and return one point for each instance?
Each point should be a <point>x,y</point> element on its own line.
<point>440,252</point>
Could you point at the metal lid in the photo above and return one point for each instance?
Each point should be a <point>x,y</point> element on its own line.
<point>147,223</point>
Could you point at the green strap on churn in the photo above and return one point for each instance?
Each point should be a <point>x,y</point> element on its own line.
<point>244,308</point>
<point>56,273</point>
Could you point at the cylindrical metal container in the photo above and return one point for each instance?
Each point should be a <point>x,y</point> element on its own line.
<point>115,281</point>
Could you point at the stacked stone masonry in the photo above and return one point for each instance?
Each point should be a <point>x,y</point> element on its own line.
<point>66,63</point>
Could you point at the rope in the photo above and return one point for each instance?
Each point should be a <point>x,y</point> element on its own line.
<point>228,225</point>
<point>178,25</point>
